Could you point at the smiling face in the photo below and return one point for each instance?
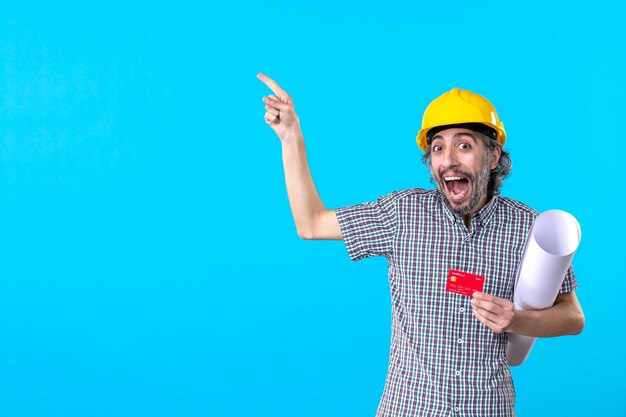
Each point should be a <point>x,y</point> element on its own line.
<point>461,166</point>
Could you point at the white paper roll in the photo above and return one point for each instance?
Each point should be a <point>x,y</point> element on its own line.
<point>550,248</point>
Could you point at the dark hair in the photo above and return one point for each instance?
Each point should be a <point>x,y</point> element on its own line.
<point>498,174</point>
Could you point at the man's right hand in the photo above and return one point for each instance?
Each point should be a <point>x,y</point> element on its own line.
<point>313,220</point>
<point>280,112</point>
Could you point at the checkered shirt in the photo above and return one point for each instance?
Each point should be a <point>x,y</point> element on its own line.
<point>443,361</point>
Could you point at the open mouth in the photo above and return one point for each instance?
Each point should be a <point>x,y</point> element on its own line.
<point>457,186</point>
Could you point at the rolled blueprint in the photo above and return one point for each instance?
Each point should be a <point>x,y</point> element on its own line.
<point>550,247</point>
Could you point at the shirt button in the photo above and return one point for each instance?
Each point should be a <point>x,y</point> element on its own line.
<point>456,409</point>
<point>460,341</point>
<point>462,309</point>
<point>458,373</point>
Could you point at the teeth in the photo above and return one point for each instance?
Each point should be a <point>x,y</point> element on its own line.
<point>452,178</point>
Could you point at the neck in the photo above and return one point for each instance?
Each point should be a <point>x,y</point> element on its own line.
<point>467,218</point>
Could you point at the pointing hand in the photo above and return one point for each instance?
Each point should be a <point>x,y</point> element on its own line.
<point>280,113</point>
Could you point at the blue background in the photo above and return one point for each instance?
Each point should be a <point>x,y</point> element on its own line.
<point>149,264</point>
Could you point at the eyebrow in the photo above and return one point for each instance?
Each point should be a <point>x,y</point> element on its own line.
<point>456,135</point>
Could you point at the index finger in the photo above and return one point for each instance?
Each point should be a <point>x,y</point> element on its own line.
<point>489,297</point>
<point>282,95</point>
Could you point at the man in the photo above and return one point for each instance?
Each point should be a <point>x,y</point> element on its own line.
<point>448,351</point>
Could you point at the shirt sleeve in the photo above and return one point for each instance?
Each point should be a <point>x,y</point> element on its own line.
<point>369,229</point>
<point>569,282</point>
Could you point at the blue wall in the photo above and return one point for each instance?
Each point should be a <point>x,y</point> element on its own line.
<point>149,264</point>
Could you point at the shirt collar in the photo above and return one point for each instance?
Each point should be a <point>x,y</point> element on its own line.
<point>480,218</point>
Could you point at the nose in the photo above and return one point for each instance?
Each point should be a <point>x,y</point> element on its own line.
<point>449,158</point>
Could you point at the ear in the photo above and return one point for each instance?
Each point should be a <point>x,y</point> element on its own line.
<point>497,152</point>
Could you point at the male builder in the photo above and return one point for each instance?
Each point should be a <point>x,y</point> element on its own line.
<point>447,355</point>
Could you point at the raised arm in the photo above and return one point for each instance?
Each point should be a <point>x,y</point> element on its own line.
<point>313,219</point>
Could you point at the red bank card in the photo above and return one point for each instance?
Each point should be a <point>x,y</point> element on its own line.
<point>464,283</point>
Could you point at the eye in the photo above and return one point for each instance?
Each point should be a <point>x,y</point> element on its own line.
<point>437,148</point>
<point>465,146</point>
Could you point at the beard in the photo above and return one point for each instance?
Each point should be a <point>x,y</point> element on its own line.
<point>479,182</point>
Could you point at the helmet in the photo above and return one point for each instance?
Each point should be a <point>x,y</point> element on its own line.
<point>459,107</point>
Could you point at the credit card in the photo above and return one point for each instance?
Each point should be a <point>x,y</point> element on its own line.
<point>464,283</point>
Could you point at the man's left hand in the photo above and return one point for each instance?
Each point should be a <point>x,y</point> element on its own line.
<point>496,313</point>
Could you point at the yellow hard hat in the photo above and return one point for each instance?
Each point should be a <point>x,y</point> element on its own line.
<point>459,107</point>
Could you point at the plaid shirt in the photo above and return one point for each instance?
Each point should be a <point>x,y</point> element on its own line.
<point>443,361</point>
